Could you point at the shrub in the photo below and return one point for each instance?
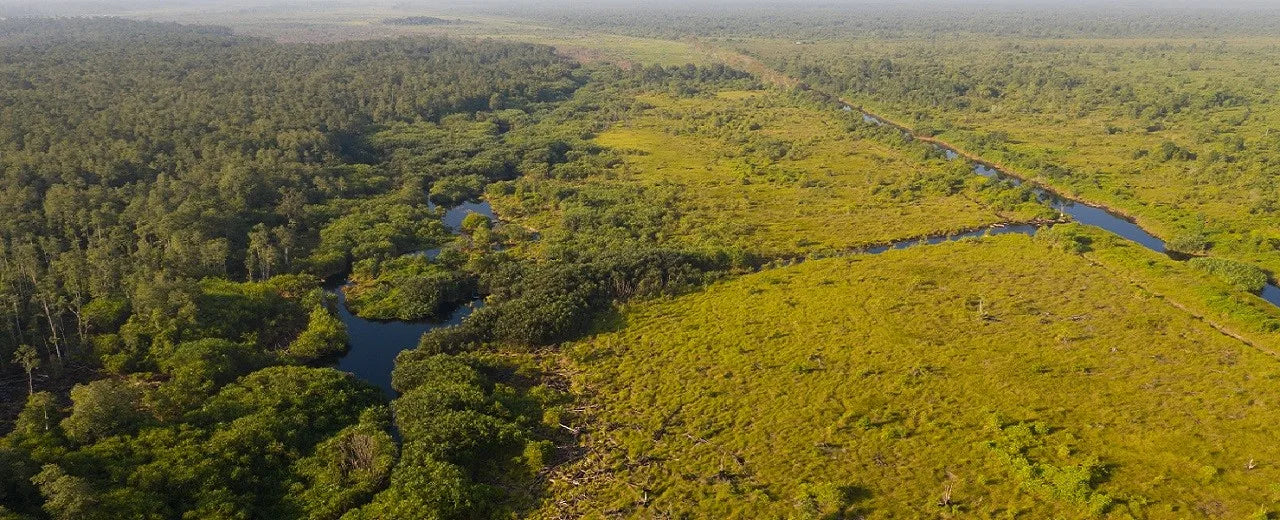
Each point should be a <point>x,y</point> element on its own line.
<point>1067,238</point>
<point>1242,276</point>
<point>1188,242</point>
<point>324,336</point>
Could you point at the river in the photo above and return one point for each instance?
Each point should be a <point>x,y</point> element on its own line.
<point>1079,212</point>
<point>374,345</point>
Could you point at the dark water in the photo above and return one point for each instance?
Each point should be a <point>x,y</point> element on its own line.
<point>453,217</point>
<point>1104,219</point>
<point>1271,293</point>
<point>375,344</point>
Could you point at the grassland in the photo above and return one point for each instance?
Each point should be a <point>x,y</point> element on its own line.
<point>336,23</point>
<point>1093,121</point>
<point>995,378</point>
<point>761,171</point>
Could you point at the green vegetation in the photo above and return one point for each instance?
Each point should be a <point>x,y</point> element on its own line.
<point>1240,275</point>
<point>642,342</point>
<point>1173,132</point>
<point>409,288</point>
<point>979,378</point>
<point>763,173</point>
<point>162,263</point>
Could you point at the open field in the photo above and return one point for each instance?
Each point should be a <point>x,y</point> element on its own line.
<point>761,171</point>
<point>990,378</point>
<point>331,24</point>
<point>1174,132</point>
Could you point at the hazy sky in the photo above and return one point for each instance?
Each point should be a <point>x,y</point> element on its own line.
<point>126,5</point>
<point>729,7</point>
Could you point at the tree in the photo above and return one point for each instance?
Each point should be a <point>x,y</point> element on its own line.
<point>27,356</point>
<point>286,240</point>
<point>101,409</point>
<point>325,335</point>
<point>473,222</point>
<point>67,497</point>
<point>262,255</point>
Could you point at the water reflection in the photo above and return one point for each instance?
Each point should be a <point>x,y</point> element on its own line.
<point>374,344</point>
<point>453,217</point>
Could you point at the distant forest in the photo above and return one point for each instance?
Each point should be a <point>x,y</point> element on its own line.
<point>904,20</point>
<point>419,20</point>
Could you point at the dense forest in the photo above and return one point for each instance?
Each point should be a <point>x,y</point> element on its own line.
<point>175,198</point>
<point>913,19</point>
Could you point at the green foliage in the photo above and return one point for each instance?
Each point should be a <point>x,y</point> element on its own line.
<point>466,441</point>
<point>547,302</point>
<point>410,287</point>
<point>67,497</point>
<point>321,159</point>
<point>103,408</point>
<point>139,198</point>
<point>901,374</point>
<point>346,469</point>
<point>1168,141</point>
<point>253,163</point>
<point>289,396</point>
<point>826,500</point>
<point>453,190</point>
<point>1188,241</point>
<point>416,368</point>
<point>1073,483</point>
<point>106,314</point>
<point>423,487</point>
<point>197,369</point>
<point>376,229</point>
<point>475,223</point>
<point>1069,238</point>
<point>324,336</point>
<point>1242,276</point>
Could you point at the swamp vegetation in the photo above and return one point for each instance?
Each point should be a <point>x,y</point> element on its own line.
<point>690,290</point>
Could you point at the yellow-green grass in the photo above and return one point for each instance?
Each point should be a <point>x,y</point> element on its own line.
<point>337,23</point>
<point>1097,140</point>
<point>827,194</point>
<point>904,375</point>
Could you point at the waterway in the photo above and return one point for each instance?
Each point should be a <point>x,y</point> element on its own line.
<point>1078,211</point>
<point>374,344</point>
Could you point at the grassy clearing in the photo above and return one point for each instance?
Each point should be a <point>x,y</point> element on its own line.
<point>336,23</point>
<point>759,171</point>
<point>1174,132</point>
<point>993,378</point>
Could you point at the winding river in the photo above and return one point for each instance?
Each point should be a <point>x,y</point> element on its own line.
<point>1079,212</point>
<point>374,344</point>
